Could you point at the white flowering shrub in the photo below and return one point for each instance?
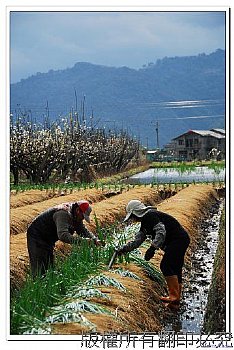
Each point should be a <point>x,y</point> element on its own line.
<point>54,151</point>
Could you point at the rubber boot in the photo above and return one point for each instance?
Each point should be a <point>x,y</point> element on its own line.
<point>175,305</point>
<point>169,280</point>
<point>174,291</point>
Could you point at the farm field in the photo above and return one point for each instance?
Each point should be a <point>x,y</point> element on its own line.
<point>130,302</point>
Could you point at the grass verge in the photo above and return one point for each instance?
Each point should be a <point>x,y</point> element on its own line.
<point>214,320</point>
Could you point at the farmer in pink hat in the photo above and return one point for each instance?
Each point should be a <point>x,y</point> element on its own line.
<point>56,223</point>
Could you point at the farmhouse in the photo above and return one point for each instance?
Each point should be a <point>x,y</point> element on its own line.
<point>200,144</point>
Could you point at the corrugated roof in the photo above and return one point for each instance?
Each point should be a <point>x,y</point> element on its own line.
<point>220,131</point>
<point>209,133</point>
<point>203,133</point>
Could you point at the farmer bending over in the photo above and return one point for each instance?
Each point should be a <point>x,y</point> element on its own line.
<point>57,223</point>
<point>166,233</point>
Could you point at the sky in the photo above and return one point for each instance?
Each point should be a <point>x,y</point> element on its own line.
<point>40,41</point>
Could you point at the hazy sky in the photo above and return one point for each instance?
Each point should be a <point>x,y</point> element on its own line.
<point>40,41</point>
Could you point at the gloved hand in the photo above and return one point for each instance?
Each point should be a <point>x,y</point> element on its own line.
<point>120,250</point>
<point>99,243</point>
<point>149,253</point>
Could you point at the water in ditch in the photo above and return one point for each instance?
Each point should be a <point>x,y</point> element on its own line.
<point>190,317</point>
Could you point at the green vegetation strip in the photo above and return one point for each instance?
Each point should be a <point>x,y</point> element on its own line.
<point>100,183</point>
<point>189,166</point>
<point>74,277</point>
<point>70,188</point>
<point>37,296</point>
<point>113,182</point>
<point>149,268</point>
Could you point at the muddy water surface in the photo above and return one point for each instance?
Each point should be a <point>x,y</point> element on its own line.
<point>197,281</point>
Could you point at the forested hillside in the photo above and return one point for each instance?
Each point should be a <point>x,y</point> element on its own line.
<point>179,92</point>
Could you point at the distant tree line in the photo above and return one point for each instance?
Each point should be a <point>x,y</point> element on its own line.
<point>65,149</point>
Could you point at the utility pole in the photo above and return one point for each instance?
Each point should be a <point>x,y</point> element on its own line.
<point>47,110</point>
<point>75,100</point>
<point>47,117</point>
<point>157,134</point>
<point>83,114</point>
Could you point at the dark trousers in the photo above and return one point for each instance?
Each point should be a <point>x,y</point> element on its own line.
<point>173,258</point>
<point>40,255</point>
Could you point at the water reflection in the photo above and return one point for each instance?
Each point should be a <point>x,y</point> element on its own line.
<point>173,175</point>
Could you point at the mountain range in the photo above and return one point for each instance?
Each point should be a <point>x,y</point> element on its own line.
<point>170,96</point>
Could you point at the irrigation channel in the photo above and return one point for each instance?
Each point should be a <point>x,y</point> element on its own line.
<point>191,315</point>
<point>173,175</point>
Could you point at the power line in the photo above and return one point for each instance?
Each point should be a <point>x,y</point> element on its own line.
<point>194,117</point>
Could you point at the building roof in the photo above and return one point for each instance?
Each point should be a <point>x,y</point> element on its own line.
<point>204,133</point>
<point>152,152</point>
<point>219,131</point>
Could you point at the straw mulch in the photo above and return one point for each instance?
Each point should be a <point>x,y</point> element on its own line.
<point>22,199</point>
<point>31,196</point>
<point>139,308</point>
<point>21,216</point>
<point>136,310</point>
